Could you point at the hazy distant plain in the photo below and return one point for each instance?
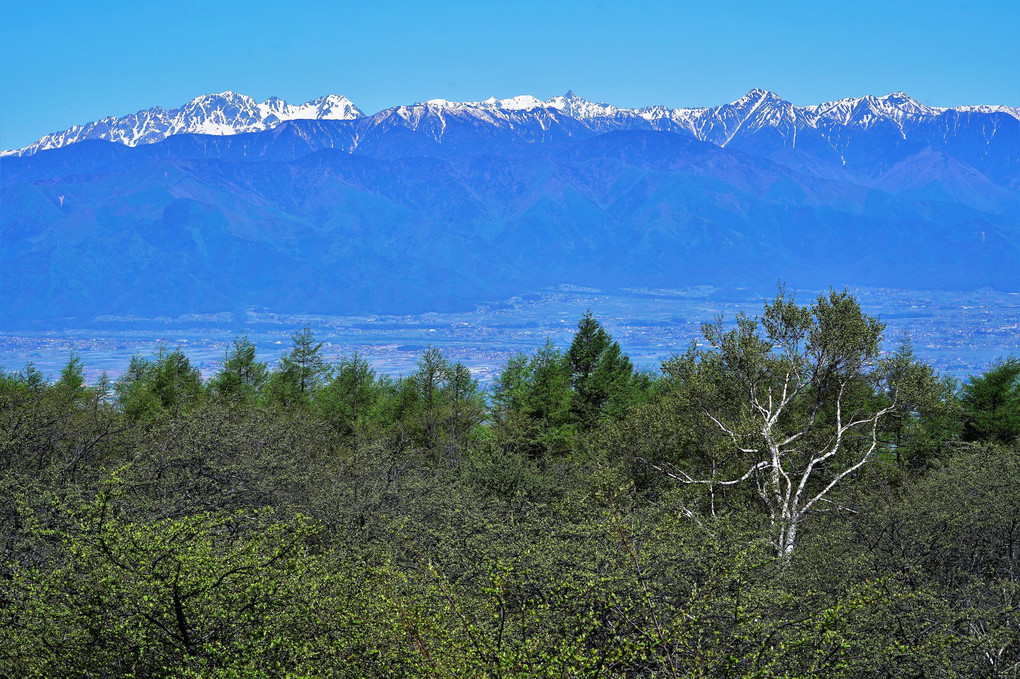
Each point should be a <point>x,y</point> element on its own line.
<point>957,333</point>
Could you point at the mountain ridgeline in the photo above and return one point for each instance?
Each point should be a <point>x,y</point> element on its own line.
<point>227,204</point>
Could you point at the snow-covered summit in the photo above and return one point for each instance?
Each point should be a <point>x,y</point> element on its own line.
<point>220,114</point>
<point>569,104</point>
<point>524,102</point>
<point>331,107</point>
<point>866,111</point>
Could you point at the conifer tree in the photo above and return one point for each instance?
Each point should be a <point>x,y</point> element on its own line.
<point>348,400</point>
<point>241,377</point>
<point>168,384</point>
<point>32,377</point>
<point>992,403</point>
<point>301,371</point>
<point>600,373</point>
<point>71,383</point>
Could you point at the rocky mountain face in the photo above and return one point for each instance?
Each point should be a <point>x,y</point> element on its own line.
<point>215,114</point>
<point>757,111</point>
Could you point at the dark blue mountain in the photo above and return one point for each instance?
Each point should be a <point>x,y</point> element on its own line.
<point>438,207</point>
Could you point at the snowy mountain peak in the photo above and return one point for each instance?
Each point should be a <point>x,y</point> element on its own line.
<point>1008,110</point>
<point>222,113</point>
<point>904,103</point>
<point>568,104</point>
<point>754,97</point>
<point>333,107</point>
<point>577,107</point>
<point>522,102</point>
<point>213,98</point>
<point>870,110</point>
<point>221,101</point>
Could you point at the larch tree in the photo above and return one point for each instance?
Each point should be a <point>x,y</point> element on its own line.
<point>242,376</point>
<point>347,401</point>
<point>600,373</point>
<point>300,373</point>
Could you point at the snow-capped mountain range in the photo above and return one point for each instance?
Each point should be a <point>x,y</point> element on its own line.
<point>227,203</point>
<point>219,114</point>
<point>230,113</point>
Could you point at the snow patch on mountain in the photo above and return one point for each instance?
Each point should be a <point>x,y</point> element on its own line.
<point>218,114</point>
<point>1008,110</point>
<point>755,111</point>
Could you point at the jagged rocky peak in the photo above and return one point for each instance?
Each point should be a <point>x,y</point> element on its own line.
<point>870,110</point>
<point>757,94</point>
<point>224,104</point>
<point>753,98</point>
<point>905,102</point>
<point>222,113</point>
<point>336,107</point>
<point>900,104</point>
<point>330,107</point>
<point>758,108</point>
<point>226,97</point>
<point>577,107</point>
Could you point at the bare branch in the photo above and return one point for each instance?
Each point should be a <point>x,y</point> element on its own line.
<point>730,433</point>
<point>683,477</point>
<point>860,463</point>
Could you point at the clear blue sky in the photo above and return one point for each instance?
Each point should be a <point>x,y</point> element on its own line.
<point>67,63</point>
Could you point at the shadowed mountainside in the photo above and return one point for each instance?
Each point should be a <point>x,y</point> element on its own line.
<point>435,207</point>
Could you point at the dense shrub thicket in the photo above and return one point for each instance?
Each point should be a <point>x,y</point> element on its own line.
<point>780,501</point>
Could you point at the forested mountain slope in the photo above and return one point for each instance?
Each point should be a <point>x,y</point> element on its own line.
<point>442,205</point>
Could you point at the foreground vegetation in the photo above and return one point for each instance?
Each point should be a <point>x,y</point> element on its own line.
<point>778,502</point>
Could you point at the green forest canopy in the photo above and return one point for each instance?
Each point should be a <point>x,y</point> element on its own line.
<point>781,500</point>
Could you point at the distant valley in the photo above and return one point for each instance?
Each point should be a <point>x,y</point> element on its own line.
<point>957,333</point>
